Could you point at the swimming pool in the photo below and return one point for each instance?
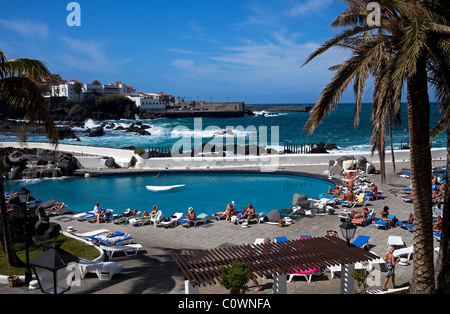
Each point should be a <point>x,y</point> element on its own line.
<point>205,192</point>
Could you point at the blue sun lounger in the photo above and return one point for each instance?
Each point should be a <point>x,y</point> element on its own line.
<point>381,224</point>
<point>281,239</point>
<point>361,242</point>
<point>403,223</point>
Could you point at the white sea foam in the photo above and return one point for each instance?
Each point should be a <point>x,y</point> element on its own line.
<point>264,113</point>
<point>90,124</point>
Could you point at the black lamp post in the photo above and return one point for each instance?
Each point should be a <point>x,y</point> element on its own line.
<point>348,231</point>
<point>24,195</point>
<point>51,270</point>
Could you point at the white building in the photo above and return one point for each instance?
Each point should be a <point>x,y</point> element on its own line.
<point>68,91</point>
<point>147,101</point>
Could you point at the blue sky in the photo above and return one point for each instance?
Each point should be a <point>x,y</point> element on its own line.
<point>219,50</point>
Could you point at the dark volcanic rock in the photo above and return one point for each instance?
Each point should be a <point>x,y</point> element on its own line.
<point>96,132</point>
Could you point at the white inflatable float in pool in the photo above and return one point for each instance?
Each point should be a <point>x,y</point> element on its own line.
<point>163,188</point>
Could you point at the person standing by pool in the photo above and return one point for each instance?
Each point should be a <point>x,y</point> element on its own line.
<point>390,267</point>
<point>99,213</point>
<point>230,211</point>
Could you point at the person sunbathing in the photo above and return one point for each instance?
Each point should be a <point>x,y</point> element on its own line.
<point>410,219</point>
<point>154,210</point>
<point>374,189</point>
<point>437,224</point>
<point>409,196</point>
<point>350,175</point>
<point>350,186</point>
<point>191,215</point>
<point>350,196</point>
<point>335,192</point>
<point>384,216</point>
<point>436,196</point>
<point>57,207</point>
<point>363,214</point>
<point>128,213</point>
<point>145,215</point>
<point>249,213</point>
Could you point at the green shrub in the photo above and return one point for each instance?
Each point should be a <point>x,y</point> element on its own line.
<point>76,110</point>
<point>235,278</point>
<point>139,151</point>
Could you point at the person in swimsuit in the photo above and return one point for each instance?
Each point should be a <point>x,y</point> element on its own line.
<point>230,211</point>
<point>390,267</point>
<point>384,216</point>
<point>249,213</point>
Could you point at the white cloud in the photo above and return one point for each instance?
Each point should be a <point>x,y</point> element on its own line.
<point>309,6</point>
<point>89,56</point>
<point>195,68</point>
<point>260,15</point>
<point>270,66</point>
<point>181,51</point>
<point>278,60</point>
<point>26,28</point>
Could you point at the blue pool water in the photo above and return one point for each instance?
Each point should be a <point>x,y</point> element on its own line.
<point>205,192</point>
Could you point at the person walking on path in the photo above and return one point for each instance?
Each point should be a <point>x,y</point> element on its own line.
<point>390,267</point>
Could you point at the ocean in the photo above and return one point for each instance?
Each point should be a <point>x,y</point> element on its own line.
<point>274,129</point>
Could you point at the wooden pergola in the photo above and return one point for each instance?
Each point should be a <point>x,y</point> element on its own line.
<point>202,267</point>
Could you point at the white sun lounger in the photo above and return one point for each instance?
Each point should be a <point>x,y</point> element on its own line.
<point>93,233</point>
<point>376,291</point>
<point>84,216</point>
<point>337,268</point>
<point>395,241</point>
<point>408,251</point>
<point>111,250</point>
<point>373,263</point>
<point>307,274</point>
<point>104,270</point>
<point>173,220</point>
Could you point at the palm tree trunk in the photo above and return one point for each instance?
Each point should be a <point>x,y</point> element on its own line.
<point>392,143</point>
<point>443,263</point>
<point>6,237</point>
<point>419,129</point>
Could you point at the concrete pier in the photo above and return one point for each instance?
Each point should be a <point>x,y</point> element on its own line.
<point>280,108</point>
<point>94,158</point>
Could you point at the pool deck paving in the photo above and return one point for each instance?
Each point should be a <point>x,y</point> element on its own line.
<point>153,271</point>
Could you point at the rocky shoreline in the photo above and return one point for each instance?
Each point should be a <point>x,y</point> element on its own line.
<point>32,163</point>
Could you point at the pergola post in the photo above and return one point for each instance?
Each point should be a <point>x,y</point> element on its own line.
<point>347,282</point>
<point>190,289</point>
<point>279,284</point>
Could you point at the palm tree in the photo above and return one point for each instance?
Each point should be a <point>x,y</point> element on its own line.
<point>18,88</point>
<point>402,51</point>
<point>78,88</point>
<point>442,93</point>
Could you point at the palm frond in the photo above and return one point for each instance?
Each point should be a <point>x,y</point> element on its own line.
<point>439,128</point>
<point>331,94</point>
<point>22,92</point>
<point>336,41</point>
<point>33,69</point>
